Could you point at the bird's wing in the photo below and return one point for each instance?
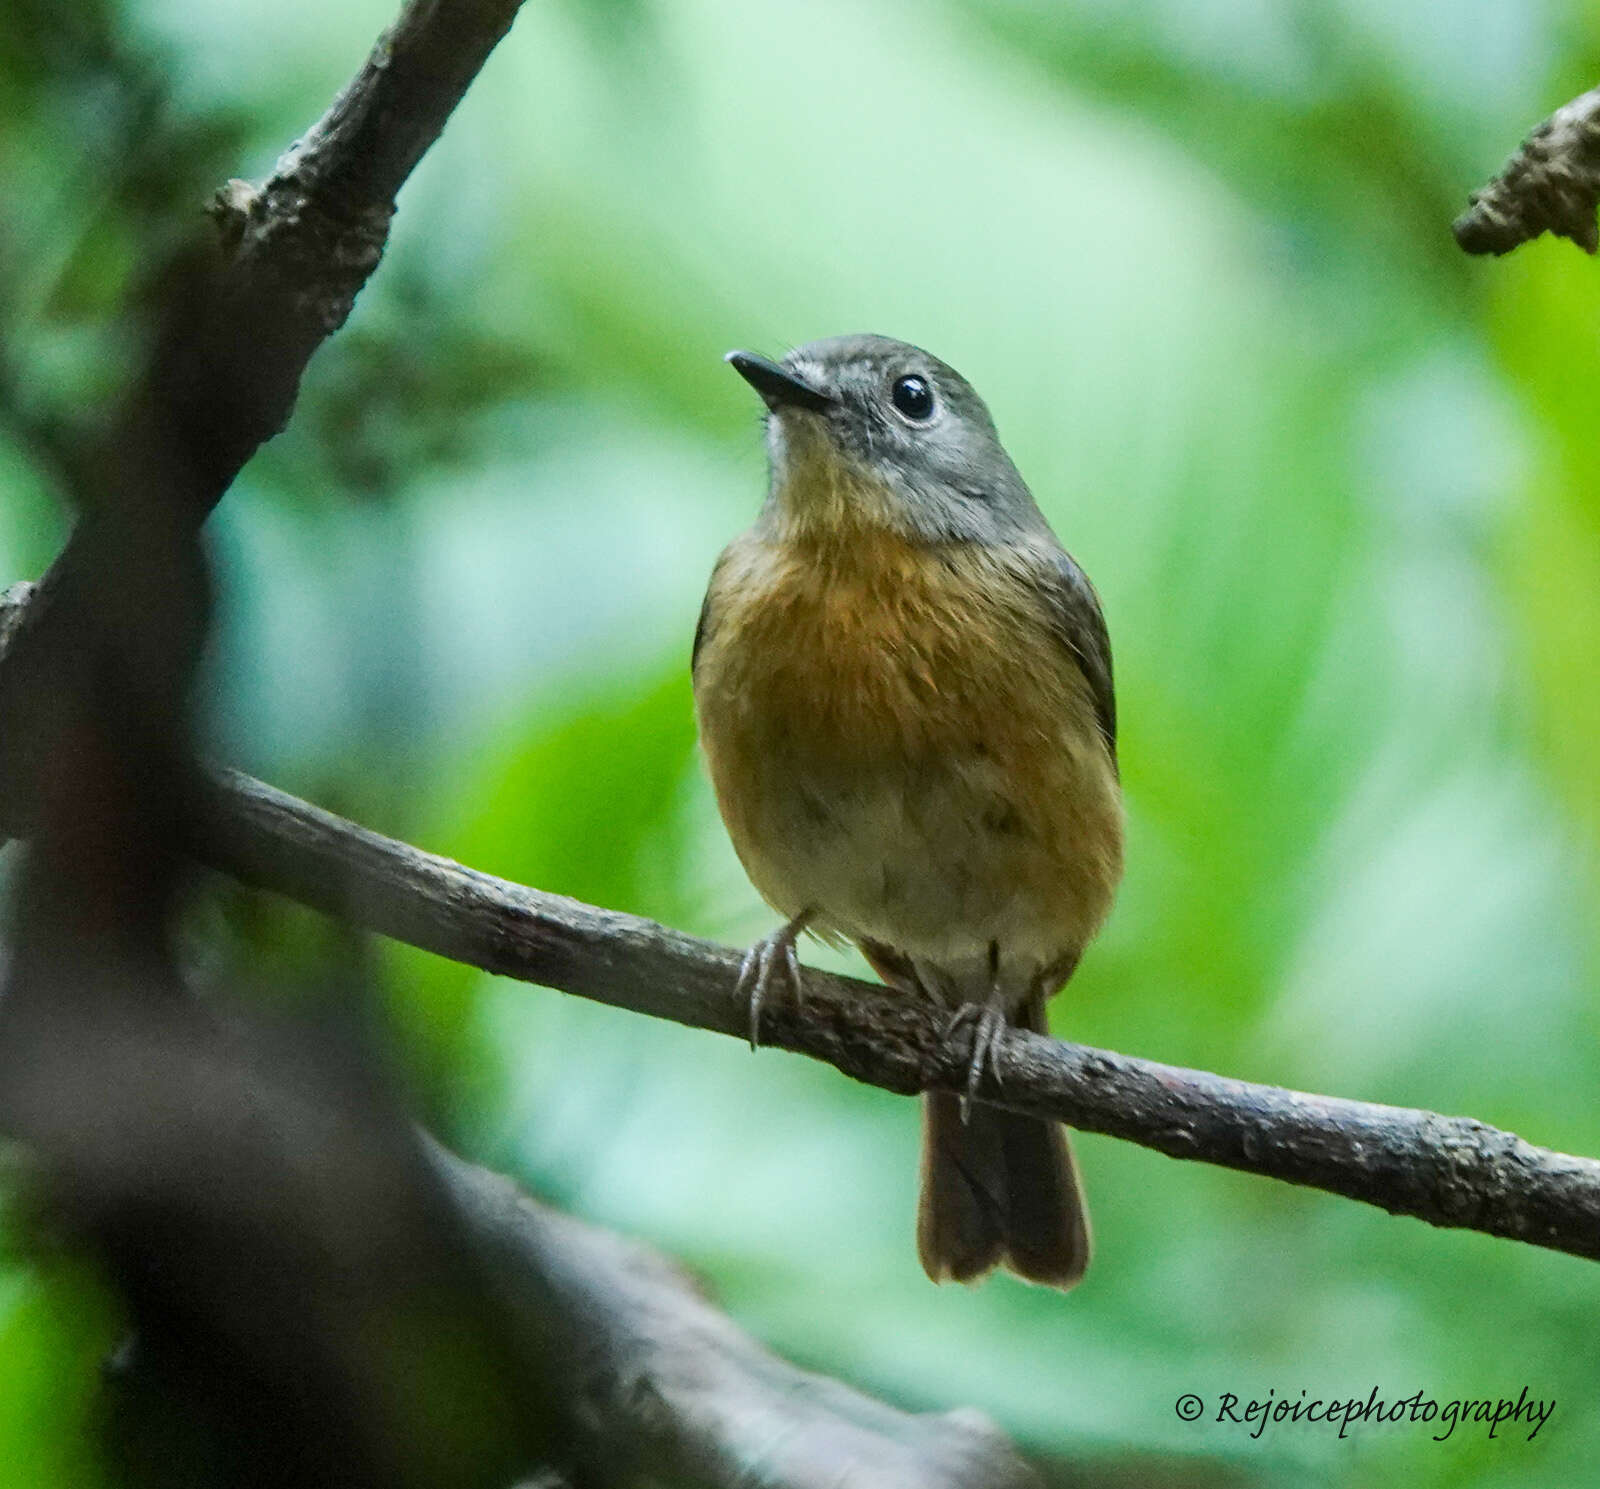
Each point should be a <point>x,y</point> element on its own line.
<point>706,624</point>
<point>701,630</point>
<point>1080,624</point>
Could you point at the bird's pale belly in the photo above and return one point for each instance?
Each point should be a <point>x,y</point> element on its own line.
<point>916,772</point>
<point>937,859</point>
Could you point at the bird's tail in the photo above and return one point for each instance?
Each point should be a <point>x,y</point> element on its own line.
<point>999,1189</point>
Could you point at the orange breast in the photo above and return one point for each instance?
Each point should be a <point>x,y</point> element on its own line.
<point>900,741</point>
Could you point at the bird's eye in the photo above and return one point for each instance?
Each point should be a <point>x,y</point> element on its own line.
<point>912,396</point>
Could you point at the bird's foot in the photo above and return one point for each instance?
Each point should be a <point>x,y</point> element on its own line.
<point>765,962</point>
<point>988,1022</point>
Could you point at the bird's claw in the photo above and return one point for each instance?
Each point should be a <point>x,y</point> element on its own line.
<point>988,1024</point>
<point>768,959</point>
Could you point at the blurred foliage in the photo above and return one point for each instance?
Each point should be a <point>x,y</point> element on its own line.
<point>1336,482</point>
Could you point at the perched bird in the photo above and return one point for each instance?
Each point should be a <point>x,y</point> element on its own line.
<point>903,685</point>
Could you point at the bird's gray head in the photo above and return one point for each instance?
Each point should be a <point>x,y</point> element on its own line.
<point>869,432</point>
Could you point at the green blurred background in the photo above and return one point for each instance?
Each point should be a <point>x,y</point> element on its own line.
<point>1337,485</point>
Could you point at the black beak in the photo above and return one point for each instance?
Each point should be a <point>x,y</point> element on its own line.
<point>778,389</point>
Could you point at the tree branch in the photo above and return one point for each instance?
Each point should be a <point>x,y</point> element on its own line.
<point>369,1281</point>
<point>303,244</point>
<point>667,1382</point>
<point>1551,184</point>
<point>1450,1171</point>
<point>238,328</point>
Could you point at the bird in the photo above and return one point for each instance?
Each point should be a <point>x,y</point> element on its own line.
<point>903,690</point>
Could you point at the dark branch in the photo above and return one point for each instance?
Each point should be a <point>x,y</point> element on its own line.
<point>303,244</point>
<point>672,1389</point>
<point>241,320</point>
<point>1449,1171</point>
<point>405,1318</point>
<point>1551,184</point>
